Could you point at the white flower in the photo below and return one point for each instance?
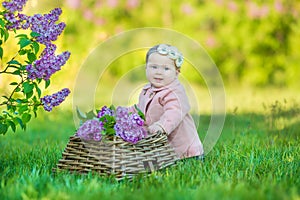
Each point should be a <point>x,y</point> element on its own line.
<point>171,52</point>
<point>179,61</point>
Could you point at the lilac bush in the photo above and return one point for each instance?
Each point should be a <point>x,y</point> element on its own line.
<point>45,26</point>
<point>34,63</point>
<point>50,101</point>
<point>16,5</point>
<point>48,64</point>
<point>118,122</point>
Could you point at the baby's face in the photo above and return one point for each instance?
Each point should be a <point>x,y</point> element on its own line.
<point>160,70</point>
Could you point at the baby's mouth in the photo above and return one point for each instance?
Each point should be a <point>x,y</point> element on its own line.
<point>158,79</point>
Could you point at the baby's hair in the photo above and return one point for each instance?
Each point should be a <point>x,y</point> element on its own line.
<point>151,51</point>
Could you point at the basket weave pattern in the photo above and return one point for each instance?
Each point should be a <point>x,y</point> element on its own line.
<point>114,156</point>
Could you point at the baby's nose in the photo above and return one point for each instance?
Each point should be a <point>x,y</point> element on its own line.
<point>159,70</point>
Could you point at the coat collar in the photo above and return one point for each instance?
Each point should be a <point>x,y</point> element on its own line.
<point>171,85</point>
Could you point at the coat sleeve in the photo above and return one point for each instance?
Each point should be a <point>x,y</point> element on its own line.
<point>176,106</point>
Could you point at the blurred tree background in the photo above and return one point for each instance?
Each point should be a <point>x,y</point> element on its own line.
<point>253,42</point>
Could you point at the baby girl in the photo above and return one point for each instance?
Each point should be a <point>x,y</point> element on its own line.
<point>165,104</point>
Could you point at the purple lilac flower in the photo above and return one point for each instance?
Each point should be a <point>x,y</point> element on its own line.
<point>14,5</point>
<point>90,130</point>
<point>105,111</point>
<point>46,27</point>
<point>48,64</point>
<point>129,126</point>
<point>24,22</point>
<point>50,101</point>
<point>16,21</point>
<point>137,119</point>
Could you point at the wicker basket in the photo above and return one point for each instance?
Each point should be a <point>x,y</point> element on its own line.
<point>114,156</point>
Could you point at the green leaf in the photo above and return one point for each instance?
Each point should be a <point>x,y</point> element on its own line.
<point>140,113</point>
<point>2,23</point>
<point>7,113</point>
<point>34,34</point>
<point>14,62</point>
<point>23,108</point>
<point>85,116</point>
<point>6,97</point>
<point>24,42</point>
<point>38,90</point>
<point>39,80</point>
<point>18,89</point>
<point>22,36</point>
<point>29,94</point>
<point>4,33</point>
<point>90,114</point>
<point>12,125</point>
<point>47,83</point>
<point>17,72</point>
<point>110,131</point>
<point>34,99</point>
<point>26,117</point>
<point>11,108</point>
<point>35,113</point>
<point>36,47</point>
<point>19,121</point>
<point>13,83</point>
<point>31,57</point>
<point>112,107</point>
<point>80,114</point>
<point>3,128</point>
<point>23,67</point>
<point>1,52</point>
<point>27,87</point>
<point>23,51</point>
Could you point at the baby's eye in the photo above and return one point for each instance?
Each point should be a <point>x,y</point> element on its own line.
<point>167,68</point>
<point>153,67</point>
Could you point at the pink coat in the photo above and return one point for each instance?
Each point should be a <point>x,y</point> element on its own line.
<point>169,106</point>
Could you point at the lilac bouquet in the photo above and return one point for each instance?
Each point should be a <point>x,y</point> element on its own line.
<point>118,122</point>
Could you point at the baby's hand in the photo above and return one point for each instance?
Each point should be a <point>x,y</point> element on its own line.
<point>155,128</point>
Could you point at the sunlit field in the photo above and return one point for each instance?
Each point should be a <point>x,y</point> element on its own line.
<point>256,157</point>
<point>244,51</point>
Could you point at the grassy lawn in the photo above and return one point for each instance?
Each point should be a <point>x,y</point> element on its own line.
<point>256,157</point>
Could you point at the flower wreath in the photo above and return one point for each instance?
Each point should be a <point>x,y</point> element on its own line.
<point>172,53</point>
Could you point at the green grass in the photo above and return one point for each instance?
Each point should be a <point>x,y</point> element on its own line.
<point>256,157</point>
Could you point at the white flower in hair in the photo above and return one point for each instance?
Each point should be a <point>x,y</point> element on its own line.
<point>163,49</point>
<point>179,61</point>
<point>171,52</point>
